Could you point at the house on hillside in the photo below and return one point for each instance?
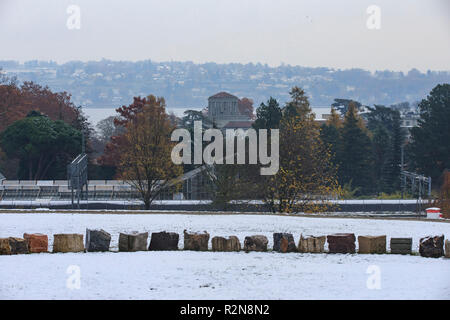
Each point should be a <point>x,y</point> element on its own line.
<point>409,120</point>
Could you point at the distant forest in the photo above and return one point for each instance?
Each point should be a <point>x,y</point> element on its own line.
<point>108,83</point>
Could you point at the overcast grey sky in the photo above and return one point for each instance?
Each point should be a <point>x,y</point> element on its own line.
<point>331,33</point>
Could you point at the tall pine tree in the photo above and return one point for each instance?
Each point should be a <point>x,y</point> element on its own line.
<point>268,115</point>
<point>388,138</point>
<point>355,152</point>
<point>381,143</point>
<point>330,135</point>
<point>397,141</point>
<point>429,151</point>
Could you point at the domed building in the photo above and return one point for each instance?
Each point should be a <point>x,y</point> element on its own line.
<point>226,111</point>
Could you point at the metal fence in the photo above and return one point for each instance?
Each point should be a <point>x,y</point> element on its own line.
<point>405,208</point>
<point>116,194</point>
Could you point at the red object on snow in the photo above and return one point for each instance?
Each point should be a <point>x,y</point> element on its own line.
<point>434,213</point>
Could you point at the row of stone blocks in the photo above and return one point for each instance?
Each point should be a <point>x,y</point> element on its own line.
<point>99,241</point>
<point>30,243</point>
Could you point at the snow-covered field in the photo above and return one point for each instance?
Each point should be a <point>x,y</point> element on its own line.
<point>213,275</point>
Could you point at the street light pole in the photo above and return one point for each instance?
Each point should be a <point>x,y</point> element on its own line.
<point>402,186</point>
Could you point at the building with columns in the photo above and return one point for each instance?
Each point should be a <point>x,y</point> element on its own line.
<point>223,109</point>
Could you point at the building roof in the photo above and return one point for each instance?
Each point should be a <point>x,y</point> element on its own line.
<point>238,124</point>
<point>223,95</point>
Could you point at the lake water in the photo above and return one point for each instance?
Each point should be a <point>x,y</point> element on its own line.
<point>97,114</point>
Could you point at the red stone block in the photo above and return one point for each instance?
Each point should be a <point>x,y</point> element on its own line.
<point>37,242</point>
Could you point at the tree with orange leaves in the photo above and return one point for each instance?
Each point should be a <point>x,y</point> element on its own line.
<point>245,106</point>
<point>145,161</point>
<point>127,114</point>
<point>11,108</point>
<point>17,101</point>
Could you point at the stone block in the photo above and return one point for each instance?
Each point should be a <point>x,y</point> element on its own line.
<point>163,241</point>
<point>134,241</point>
<point>37,242</point>
<point>256,243</point>
<point>432,247</point>
<point>5,248</point>
<point>372,244</point>
<point>18,245</point>
<point>70,242</point>
<point>227,245</point>
<point>401,245</point>
<point>97,240</point>
<point>311,244</point>
<point>447,249</point>
<point>284,242</point>
<point>341,243</point>
<point>196,241</point>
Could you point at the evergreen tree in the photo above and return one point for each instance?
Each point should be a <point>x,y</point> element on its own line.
<point>306,176</point>
<point>187,122</point>
<point>299,104</point>
<point>355,152</point>
<point>342,105</point>
<point>334,119</point>
<point>388,137</point>
<point>42,146</point>
<point>429,151</point>
<point>397,141</point>
<point>330,135</point>
<point>268,115</point>
<point>381,143</point>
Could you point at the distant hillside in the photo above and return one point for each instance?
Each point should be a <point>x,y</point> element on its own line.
<point>185,84</point>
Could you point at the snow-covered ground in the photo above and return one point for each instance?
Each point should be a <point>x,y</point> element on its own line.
<point>213,275</point>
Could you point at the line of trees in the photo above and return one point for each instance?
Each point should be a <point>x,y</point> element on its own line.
<point>40,130</point>
<point>351,155</point>
<point>361,155</point>
<point>367,153</point>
